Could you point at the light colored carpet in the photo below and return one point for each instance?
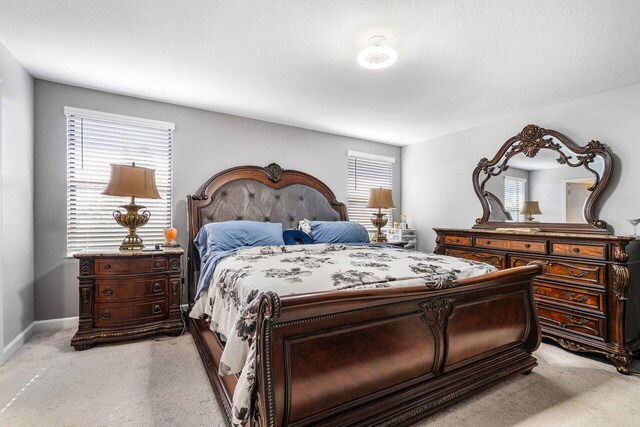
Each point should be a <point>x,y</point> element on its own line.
<point>162,383</point>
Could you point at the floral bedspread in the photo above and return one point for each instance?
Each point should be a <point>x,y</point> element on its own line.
<point>229,302</point>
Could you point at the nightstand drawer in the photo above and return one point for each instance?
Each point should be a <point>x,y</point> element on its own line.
<point>130,265</point>
<point>113,315</point>
<point>109,290</point>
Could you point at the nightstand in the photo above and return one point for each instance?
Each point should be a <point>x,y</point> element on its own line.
<point>407,235</point>
<point>125,295</point>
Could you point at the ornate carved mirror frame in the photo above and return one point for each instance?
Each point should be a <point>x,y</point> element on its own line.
<point>530,141</point>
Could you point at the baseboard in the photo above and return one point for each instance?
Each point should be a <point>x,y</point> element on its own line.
<point>17,342</point>
<point>43,325</point>
<point>54,324</point>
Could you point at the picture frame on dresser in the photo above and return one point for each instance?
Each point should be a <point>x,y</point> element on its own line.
<point>588,298</point>
<point>125,295</point>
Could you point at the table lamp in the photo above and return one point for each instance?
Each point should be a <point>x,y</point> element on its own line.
<point>132,181</point>
<point>380,198</point>
<point>530,209</point>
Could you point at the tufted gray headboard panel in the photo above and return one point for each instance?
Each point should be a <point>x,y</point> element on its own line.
<point>252,200</point>
<point>257,193</point>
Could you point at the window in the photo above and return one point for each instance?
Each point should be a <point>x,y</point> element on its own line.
<point>367,171</point>
<point>95,140</point>
<point>514,196</point>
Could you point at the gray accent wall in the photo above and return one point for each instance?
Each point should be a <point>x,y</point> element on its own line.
<point>437,189</point>
<point>204,143</point>
<point>16,199</point>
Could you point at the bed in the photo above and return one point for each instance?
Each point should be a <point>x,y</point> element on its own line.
<point>366,356</point>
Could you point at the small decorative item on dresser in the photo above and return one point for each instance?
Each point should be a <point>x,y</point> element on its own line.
<point>380,198</point>
<point>132,181</point>
<point>635,223</point>
<point>128,294</point>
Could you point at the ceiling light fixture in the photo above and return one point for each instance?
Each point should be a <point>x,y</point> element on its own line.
<point>377,56</point>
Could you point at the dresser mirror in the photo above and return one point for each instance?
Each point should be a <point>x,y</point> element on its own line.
<point>542,180</point>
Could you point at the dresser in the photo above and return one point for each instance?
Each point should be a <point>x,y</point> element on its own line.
<point>125,295</point>
<point>588,298</point>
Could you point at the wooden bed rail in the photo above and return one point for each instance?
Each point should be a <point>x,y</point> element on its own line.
<point>390,356</point>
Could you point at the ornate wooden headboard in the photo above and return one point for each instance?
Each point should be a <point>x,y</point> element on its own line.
<point>255,193</point>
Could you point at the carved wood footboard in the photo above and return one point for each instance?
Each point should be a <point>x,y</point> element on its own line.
<point>390,356</point>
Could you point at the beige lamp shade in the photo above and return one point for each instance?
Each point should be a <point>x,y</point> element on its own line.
<point>531,208</point>
<point>132,181</point>
<point>380,198</point>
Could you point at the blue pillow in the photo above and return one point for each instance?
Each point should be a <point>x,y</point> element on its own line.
<point>225,236</point>
<point>339,232</point>
<point>296,237</point>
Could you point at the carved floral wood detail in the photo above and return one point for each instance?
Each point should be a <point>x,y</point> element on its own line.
<point>530,141</point>
<point>86,266</point>
<point>275,171</point>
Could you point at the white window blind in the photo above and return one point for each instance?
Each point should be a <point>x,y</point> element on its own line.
<point>365,172</point>
<point>95,140</point>
<point>514,196</point>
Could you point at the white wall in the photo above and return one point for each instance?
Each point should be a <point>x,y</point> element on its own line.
<point>16,199</point>
<point>204,143</point>
<point>437,189</point>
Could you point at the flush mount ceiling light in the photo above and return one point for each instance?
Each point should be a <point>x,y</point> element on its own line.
<point>377,56</point>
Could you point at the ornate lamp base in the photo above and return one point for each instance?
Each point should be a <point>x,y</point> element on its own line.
<point>379,220</point>
<point>132,220</point>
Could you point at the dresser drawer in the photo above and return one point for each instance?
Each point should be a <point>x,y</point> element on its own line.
<point>579,250</point>
<point>110,290</point>
<point>130,265</point>
<point>572,321</point>
<point>497,260</point>
<point>511,245</point>
<point>567,271</point>
<point>569,295</point>
<point>457,240</point>
<point>112,314</point>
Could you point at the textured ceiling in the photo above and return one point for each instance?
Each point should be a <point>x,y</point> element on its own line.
<point>460,63</point>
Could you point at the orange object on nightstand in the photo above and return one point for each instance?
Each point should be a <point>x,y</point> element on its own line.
<point>170,235</point>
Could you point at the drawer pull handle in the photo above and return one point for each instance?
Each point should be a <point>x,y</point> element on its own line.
<point>457,240</point>
<point>527,245</point>
<point>106,315</point>
<point>487,242</point>
<point>577,321</point>
<point>107,266</point>
<point>157,309</point>
<point>157,287</point>
<point>107,291</point>
<point>572,296</point>
<point>157,264</point>
<point>576,250</point>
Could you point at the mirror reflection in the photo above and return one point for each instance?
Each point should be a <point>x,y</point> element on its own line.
<point>540,188</point>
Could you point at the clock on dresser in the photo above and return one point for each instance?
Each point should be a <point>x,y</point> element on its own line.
<point>125,295</point>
